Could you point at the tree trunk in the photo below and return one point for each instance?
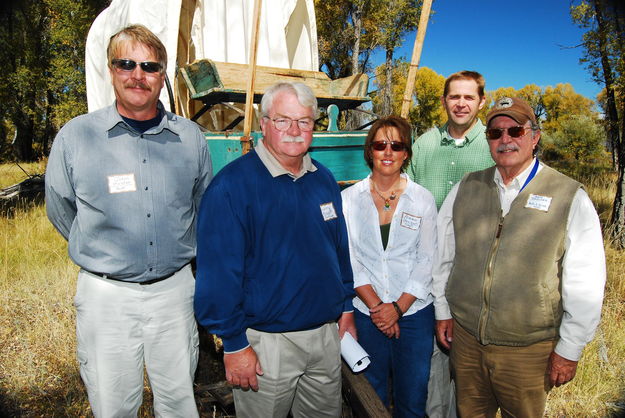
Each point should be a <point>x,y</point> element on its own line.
<point>49,132</point>
<point>618,209</point>
<point>387,98</point>
<point>23,140</point>
<point>612,118</point>
<point>617,221</point>
<point>357,22</point>
<point>354,119</point>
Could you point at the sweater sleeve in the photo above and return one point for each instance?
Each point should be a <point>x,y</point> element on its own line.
<point>344,257</point>
<point>221,246</point>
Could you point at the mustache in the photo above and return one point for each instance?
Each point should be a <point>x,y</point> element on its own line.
<point>139,84</point>
<point>289,138</point>
<point>507,147</point>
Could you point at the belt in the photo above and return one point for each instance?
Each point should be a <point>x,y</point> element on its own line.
<point>158,279</point>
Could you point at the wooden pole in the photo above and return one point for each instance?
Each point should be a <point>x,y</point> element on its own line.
<point>251,80</point>
<point>416,56</point>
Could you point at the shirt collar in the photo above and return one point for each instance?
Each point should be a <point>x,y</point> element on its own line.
<point>516,182</point>
<point>275,168</point>
<point>475,132</point>
<point>115,119</point>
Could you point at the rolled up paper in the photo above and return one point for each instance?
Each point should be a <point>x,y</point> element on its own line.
<point>354,355</point>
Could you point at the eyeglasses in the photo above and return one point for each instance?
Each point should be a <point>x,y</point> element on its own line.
<point>513,131</point>
<point>129,65</point>
<point>395,146</point>
<point>284,124</point>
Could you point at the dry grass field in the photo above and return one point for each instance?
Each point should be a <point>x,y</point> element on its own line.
<point>38,371</point>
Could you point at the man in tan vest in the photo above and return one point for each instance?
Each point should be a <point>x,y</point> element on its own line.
<point>519,282</point>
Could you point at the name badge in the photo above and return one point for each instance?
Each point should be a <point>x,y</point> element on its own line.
<point>538,202</point>
<point>122,183</point>
<point>410,221</point>
<point>327,211</point>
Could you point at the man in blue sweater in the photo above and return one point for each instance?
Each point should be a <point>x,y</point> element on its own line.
<point>273,269</point>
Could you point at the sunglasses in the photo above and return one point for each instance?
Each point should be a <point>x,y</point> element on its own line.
<point>513,132</point>
<point>129,65</point>
<point>395,146</point>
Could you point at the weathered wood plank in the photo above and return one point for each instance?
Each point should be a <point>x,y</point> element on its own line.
<point>212,81</point>
<point>363,400</point>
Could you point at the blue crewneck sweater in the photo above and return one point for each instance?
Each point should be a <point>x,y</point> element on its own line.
<point>266,258</point>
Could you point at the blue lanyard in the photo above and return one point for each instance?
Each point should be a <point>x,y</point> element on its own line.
<point>531,176</point>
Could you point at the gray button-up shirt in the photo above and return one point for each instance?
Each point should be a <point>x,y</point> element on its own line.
<point>127,202</point>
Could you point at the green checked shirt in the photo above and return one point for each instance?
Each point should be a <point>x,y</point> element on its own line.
<point>438,163</point>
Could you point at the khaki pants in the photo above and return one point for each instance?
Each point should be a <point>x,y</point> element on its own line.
<point>121,327</point>
<point>489,377</point>
<point>441,401</point>
<point>302,374</point>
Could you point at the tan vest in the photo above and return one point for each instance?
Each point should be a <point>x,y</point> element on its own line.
<point>505,285</point>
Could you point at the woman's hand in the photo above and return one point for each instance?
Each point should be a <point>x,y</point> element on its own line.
<point>392,332</point>
<point>384,316</point>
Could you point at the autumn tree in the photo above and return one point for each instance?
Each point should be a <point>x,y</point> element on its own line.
<point>346,39</point>
<point>399,74</point>
<point>582,137</point>
<point>551,105</point>
<point>42,77</point>
<point>604,45</point>
<point>396,18</point>
<point>25,57</point>
<point>560,102</point>
<point>428,110</point>
<point>346,36</point>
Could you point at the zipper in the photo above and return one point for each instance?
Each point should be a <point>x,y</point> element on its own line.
<point>488,281</point>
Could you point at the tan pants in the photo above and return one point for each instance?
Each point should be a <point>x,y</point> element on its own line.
<point>441,401</point>
<point>120,327</point>
<point>489,377</point>
<point>302,374</point>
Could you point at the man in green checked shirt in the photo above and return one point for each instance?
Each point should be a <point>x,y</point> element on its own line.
<point>440,158</point>
<point>443,155</point>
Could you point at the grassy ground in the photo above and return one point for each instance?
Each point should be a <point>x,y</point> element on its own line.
<point>38,371</point>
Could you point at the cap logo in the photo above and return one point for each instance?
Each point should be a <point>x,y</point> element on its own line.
<point>504,103</point>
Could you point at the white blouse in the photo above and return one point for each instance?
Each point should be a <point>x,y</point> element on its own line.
<point>406,264</point>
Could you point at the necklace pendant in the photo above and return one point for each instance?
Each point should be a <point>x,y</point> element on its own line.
<point>392,196</point>
<point>387,206</point>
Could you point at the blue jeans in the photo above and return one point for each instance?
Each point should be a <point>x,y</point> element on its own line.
<point>406,359</point>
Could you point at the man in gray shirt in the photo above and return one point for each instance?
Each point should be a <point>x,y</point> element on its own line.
<point>123,185</point>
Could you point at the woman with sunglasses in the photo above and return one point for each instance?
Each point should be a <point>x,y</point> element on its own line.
<point>391,223</point>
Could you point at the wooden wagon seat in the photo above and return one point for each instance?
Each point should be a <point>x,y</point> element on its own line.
<point>218,82</point>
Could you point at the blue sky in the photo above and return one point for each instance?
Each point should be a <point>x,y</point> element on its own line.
<point>512,46</point>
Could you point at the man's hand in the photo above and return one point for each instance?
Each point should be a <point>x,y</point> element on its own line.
<point>445,332</point>
<point>242,368</point>
<point>347,324</point>
<point>560,370</point>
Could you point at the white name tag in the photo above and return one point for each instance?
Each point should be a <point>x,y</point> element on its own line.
<point>538,202</point>
<point>122,183</point>
<point>410,221</point>
<point>327,211</point>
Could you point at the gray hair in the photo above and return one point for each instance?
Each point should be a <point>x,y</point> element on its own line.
<point>535,127</point>
<point>304,95</point>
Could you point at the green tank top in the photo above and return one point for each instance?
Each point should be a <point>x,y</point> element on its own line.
<point>384,231</point>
